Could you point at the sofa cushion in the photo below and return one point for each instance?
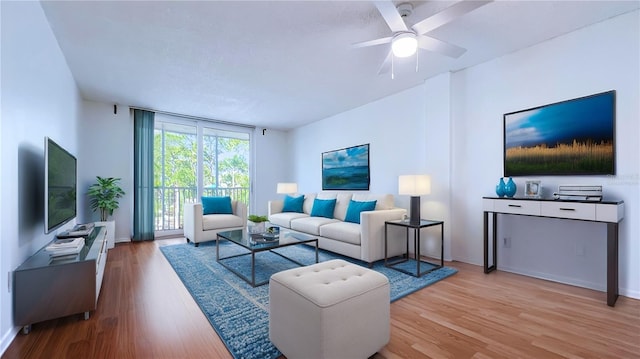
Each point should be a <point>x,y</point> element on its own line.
<point>355,207</point>
<point>342,203</point>
<point>218,221</point>
<point>342,231</point>
<point>293,204</point>
<point>284,219</point>
<point>308,202</point>
<point>311,225</point>
<point>323,208</point>
<point>383,201</point>
<point>216,205</point>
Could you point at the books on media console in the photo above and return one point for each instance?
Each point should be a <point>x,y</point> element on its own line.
<point>66,246</point>
<point>78,231</point>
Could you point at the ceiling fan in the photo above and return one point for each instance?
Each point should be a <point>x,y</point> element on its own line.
<point>405,41</point>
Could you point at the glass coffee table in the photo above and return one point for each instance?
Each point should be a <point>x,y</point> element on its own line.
<point>256,243</point>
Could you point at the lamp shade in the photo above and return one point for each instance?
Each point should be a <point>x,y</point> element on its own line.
<point>414,185</point>
<point>287,188</point>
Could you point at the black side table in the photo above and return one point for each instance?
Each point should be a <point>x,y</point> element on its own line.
<point>416,248</point>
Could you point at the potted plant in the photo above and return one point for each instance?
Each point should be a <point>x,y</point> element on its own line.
<point>256,223</point>
<point>104,196</point>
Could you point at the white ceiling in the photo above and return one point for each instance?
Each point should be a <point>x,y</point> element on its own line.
<point>280,64</point>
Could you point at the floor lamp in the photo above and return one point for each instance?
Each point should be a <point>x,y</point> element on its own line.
<point>414,186</point>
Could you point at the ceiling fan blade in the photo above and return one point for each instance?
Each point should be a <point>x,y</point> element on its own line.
<point>384,40</point>
<point>435,45</point>
<point>386,64</point>
<point>391,16</point>
<point>447,15</point>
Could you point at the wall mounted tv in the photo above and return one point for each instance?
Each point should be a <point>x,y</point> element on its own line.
<point>574,137</point>
<point>60,182</point>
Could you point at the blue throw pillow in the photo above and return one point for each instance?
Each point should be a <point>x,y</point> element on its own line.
<point>323,208</point>
<point>216,205</point>
<point>293,204</point>
<point>353,212</point>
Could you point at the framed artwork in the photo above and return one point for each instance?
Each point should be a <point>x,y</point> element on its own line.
<point>532,189</point>
<point>346,169</point>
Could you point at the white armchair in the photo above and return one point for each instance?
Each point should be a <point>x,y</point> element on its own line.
<point>201,228</point>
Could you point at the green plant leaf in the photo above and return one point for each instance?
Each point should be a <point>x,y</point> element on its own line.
<point>257,219</point>
<point>104,195</point>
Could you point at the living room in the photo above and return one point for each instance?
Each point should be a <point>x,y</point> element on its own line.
<point>449,127</point>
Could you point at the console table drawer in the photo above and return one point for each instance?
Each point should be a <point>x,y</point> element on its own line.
<point>517,207</point>
<point>585,211</point>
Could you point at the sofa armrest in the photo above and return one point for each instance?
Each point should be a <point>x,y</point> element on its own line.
<point>192,220</point>
<point>372,232</point>
<point>240,210</point>
<point>275,206</point>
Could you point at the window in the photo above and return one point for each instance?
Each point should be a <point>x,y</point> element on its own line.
<point>194,159</point>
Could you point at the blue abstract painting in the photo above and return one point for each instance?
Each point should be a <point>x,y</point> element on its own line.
<point>346,169</point>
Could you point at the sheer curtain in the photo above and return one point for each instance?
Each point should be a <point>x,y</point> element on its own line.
<point>143,226</point>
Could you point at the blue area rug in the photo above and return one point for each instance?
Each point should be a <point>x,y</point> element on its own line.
<point>238,312</point>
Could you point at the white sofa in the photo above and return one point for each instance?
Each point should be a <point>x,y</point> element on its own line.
<point>363,241</point>
<point>201,228</point>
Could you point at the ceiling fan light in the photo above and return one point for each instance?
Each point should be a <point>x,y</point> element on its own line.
<point>404,45</point>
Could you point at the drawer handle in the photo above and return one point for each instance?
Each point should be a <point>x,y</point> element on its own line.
<point>515,205</point>
<point>567,209</point>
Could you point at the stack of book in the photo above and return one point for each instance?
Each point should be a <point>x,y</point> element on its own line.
<point>65,247</point>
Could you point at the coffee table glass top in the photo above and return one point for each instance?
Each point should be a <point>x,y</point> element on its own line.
<point>261,241</point>
<point>256,243</point>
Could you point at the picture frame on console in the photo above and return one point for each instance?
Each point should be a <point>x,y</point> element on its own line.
<point>532,189</point>
<point>572,137</point>
<point>346,169</point>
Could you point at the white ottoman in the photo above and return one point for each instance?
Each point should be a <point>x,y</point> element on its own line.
<point>332,309</point>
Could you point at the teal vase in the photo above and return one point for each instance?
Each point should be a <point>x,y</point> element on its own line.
<point>510,188</point>
<point>500,187</point>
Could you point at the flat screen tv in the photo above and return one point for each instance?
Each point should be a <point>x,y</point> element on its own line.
<point>60,182</point>
<point>573,137</point>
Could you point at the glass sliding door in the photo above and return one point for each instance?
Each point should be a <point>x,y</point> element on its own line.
<point>174,172</point>
<point>194,159</point>
<point>226,164</point>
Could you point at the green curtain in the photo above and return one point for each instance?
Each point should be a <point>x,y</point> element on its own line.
<point>143,227</point>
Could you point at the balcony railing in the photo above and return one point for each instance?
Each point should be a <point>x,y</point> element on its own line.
<point>169,203</point>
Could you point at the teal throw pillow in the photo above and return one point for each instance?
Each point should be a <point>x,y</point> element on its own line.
<point>323,208</point>
<point>216,205</point>
<point>353,212</point>
<point>293,204</point>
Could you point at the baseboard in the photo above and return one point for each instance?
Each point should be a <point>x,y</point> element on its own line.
<point>122,240</point>
<point>602,287</point>
<point>629,293</point>
<point>8,338</point>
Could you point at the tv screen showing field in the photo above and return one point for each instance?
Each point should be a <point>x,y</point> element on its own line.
<point>573,137</point>
<point>61,186</point>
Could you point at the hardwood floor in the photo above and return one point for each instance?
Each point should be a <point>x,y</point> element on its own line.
<point>144,311</point>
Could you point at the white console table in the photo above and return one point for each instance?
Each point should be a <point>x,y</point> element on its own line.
<point>608,212</point>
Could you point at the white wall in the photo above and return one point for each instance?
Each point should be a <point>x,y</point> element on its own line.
<point>451,127</point>
<point>272,163</point>
<point>106,145</point>
<point>438,156</point>
<point>393,126</point>
<point>39,98</point>
<point>594,59</point>
<point>408,133</point>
